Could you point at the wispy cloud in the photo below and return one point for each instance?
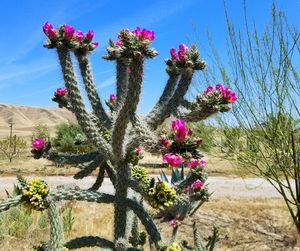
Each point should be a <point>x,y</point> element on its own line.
<point>108,82</point>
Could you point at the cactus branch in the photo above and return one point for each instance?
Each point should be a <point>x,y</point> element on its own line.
<point>89,241</point>
<point>56,228</point>
<point>90,87</point>
<point>11,202</point>
<point>171,107</point>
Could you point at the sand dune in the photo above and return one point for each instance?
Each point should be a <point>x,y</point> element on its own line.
<point>26,117</point>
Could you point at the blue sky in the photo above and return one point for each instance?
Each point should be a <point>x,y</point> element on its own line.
<point>29,73</point>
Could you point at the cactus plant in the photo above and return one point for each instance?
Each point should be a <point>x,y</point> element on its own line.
<point>118,137</point>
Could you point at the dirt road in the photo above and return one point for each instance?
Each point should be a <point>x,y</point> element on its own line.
<point>220,186</point>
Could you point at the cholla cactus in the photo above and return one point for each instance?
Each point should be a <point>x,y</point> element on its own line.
<point>118,137</point>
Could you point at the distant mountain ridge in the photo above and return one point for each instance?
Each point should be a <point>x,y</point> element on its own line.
<point>26,117</point>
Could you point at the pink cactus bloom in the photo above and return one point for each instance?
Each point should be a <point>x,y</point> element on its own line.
<point>174,55</point>
<point>182,51</point>
<point>193,162</point>
<point>209,89</point>
<point>197,184</point>
<point>173,222</point>
<point>229,95</point>
<point>178,126</point>
<point>164,141</point>
<point>137,32</point>
<point>61,91</point>
<point>172,159</point>
<point>95,44</point>
<point>119,42</point>
<point>138,150</point>
<point>89,35</point>
<point>202,163</point>
<point>38,143</point>
<point>147,34</point>
<point>219,87</point>
<point>196,162</point>
<point>68,31</point>
<point>49,30</point>
<point>190,132</point>
<point>112,98</point>
<point>79,36</point>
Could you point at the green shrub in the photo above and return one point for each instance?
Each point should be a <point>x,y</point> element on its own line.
<point>70,138</point>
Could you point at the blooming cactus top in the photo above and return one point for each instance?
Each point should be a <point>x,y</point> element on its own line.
<point>67,36</point>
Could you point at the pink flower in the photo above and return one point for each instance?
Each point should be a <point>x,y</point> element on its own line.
<point>229,95</point>
<point>178,126</point>
<point>182,51</point>
<point>192,163</point>
<point>89,35</point>
<point>144,34</point>
<point>119,42</point>
<point>138,150</point>
<point>95,44</point>
<point>38,143</point>
<point>209,89</point>
<point>79,36</point>
<point>172,159</point>
<point>137,32</point>
<point>68,31</point>
<point>49,30</point>
<point>202,163</point>
<point>196,162</point>
<point>174,55</point>
<point>147,34</point>
<point>197,184</point>
<point>190,132</point>
<point>164,141</point>
<point>219,87</point>
<point>173,222</point>
<point>61,91</point>
<point>112,98</point>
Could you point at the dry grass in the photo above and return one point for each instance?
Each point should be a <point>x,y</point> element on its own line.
<point>245,224</point>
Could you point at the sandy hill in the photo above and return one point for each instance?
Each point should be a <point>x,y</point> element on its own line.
<point>26,117</point>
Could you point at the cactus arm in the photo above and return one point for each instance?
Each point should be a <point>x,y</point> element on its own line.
<point>143,136</point>
<point>122,80</point>
<point>197,238</point>
<point>11,202</point>
<point>69,158</point>
<point>166,95</point>
<point>90,87</point>
<point>173,104</point>
<point>56,228</point>
<point>89,241</point>
<point>77,103</point>
<point>99,179</point>
<point>197,114</point>
<point>174,234</point>
<point>111,173</point>
<point>128,109</point>
<point>88,169</point>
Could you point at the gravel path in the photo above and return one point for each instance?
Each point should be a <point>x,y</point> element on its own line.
<point>220,186</point>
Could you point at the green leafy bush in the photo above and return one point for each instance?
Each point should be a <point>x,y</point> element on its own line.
<point>70,138</point>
